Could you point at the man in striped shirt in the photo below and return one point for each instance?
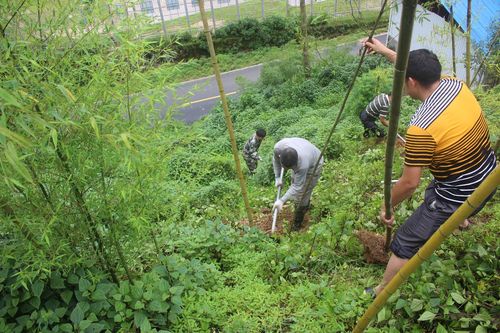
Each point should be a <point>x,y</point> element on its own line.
<point>447,134</point>
<point>377,109</point>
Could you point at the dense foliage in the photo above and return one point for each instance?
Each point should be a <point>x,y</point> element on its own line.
<point>115,221</point>
<point>251,34</point>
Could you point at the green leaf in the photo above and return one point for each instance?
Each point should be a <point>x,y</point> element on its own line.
<point>66,93</point>
<point>427,316</point>
<point>138,305</point>
<point>480,329</point>
<point>441,329</point>
<point>84,324</point>
<point>77,314</point>
<point>56,281</point>
<point>60,312</point>
<point>8,99</point>
<point>416,305</point>
<point>17,138</point>
<point>53,134</point>
<point>35,302</point>
<point>125,140</point>
<point>381,315</point>
<point>93,123</point>
<point>145,326</point>
<point>400,304</point>
<point>84,285</point>
<point>457,297</point>
<point>139,318</point>
<point>66,328</point>
<point>66,296</point>
<point>481,251</point>
<point>37,288</point>
<point>15,161</point>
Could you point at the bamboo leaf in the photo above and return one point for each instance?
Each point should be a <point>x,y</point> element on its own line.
<point>66,93</point>
<point>125,140</point>
<point>14,160</point>
<point>93,123</point>
<point>8,99</point>
<point>17,138</point>
<point>53,134</point>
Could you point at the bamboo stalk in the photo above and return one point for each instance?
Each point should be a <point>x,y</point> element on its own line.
<point>452,31</point>
<point>406,29</point>
<point>342,107</point>
<point>82,206</point>
<point>467,44</point>
<point>227,114</point>
<point>305,45</point>
<point>452,223</point>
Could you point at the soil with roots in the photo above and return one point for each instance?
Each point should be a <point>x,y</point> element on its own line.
<point>373,245</point>
<point>263,220</point>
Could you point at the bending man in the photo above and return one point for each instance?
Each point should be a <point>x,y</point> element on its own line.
<point>447,134</point>
<point>300,156</point>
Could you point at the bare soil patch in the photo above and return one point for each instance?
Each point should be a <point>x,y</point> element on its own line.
<point>374,247</point>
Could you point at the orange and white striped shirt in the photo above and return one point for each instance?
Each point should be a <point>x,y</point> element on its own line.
<point>448,133</point>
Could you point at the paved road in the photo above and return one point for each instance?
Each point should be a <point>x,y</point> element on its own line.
<point>198,97</point>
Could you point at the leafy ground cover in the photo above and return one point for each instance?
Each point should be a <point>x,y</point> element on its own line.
<point>114,222</point>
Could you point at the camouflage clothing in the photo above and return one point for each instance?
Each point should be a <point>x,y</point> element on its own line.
<point>250,154</point>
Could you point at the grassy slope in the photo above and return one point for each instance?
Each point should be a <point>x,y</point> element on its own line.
<point>313,281</point>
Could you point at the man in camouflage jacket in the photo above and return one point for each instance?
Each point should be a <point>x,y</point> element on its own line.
<point>250,150</point>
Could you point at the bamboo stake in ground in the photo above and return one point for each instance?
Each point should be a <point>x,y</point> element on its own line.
<point>464,211</point>
<point>225,107</point>
<point>406,29</point>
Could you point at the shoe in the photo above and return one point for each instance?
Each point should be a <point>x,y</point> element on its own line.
<point>370,291</point>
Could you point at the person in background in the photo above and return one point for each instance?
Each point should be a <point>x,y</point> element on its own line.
<point>449,135</point>
<point>300,156</point>
<point>251,148</point>
<point>377,109</point>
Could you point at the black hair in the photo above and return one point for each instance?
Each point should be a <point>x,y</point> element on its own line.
<point>424,67</point>
<point>289,157</point>
<point>261,132</point>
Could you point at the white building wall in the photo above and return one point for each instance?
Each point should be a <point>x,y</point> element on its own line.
<point>430,31</point>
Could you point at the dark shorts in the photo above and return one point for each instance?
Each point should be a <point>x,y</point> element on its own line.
<point>371,128</point>
<point>368,121</point>
<point>420,226</point>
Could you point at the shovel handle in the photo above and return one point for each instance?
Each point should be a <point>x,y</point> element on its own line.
<point>275,211</point>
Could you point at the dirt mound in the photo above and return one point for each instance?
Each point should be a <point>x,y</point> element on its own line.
<point>374,247</point>
<point>263,220</point>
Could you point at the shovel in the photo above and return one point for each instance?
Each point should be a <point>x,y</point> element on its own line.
<point>275,211</point>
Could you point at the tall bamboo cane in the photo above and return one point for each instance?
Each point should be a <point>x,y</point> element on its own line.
<point>227,114</point>
<point>305,40</point>
<point>452,31</point>
<point>406,29</point>
<point>464,211</point>
<point>467,44</point>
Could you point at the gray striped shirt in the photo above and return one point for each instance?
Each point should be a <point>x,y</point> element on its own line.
<point>379,106</point>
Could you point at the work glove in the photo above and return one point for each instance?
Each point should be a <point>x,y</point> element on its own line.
<point>278,205</point>
<point>278,182</point>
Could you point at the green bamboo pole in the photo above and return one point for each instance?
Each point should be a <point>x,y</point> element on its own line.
<point>346,97</point>
<point>406,29</point>
<point>452,223</point>
<point>467,44</point>
<point>452,31</point>
<point>225,107</point>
